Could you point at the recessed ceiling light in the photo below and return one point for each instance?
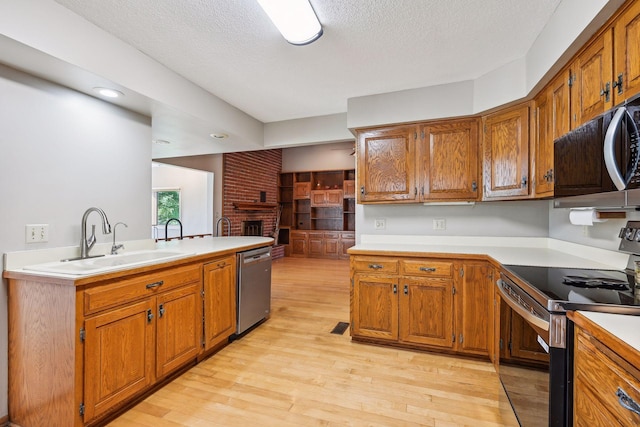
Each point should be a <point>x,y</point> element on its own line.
<point>109,93</point>
<point>161,141</point>
<point>219,135</point>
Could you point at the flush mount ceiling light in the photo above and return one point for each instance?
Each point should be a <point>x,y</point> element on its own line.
<point>109,93</point>
<point>295,19</point>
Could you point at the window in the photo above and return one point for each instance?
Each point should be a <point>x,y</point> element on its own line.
<point>167,205</point>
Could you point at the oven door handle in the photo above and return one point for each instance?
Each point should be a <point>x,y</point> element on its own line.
<point>525,314</point>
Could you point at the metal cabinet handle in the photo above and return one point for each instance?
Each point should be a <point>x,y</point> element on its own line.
<point>375,266</point>
<point>362,190</point>
<point>474,186</point>
<point>606,91</point>
<point>161,310</point>
<point>618,83</point>
<point>395,289</point>
<point>406,290</point>
<point>523,183</point>
<point>428,269</point>
<point>149,316</point>
<point>627,402</point>
<point>155,284</point>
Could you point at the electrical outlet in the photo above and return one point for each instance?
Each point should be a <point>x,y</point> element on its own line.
<point>440,224</point>
<point>380,224</point>
<point>36,233</point>
<point>585,230</point>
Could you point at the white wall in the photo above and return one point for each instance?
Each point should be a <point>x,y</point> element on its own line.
<point>60,153</point>
<point>196,197</point>
<point>522,219</point>
<point>600,235</point>
<point>211,163</point>
<point>319,157</point>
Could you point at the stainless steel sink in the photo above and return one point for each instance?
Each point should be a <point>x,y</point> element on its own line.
<point>107,262</point>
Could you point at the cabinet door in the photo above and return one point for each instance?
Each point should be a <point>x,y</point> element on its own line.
<point>591,90</point>
<point>374,311</point>
<point>118,356</point>
<point>448,161</point>
<point>386,164</point>
<point>334,198</point>
<point>299,244</point>
<point>301,190</point>
<point>475,308</point>
<point>506,153</point>
<point>626,44</point>
<point>543,145</point>
<point>426,312</point>
<point>318,198</point>
<point>179,328</point>
<point>349,187</point>
<point>316,244</point>
<point>219,301</point>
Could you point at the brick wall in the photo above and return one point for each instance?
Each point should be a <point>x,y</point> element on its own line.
<point>245,175</point>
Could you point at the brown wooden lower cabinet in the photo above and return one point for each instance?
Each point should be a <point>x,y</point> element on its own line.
<point>80,350</point>
<point>606,383</point>
<point>423,302</point>
<point>320,243</point>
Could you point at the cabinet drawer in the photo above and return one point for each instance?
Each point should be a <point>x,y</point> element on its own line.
<point>331,235</point>
<point>375,264</point>
<point>604,372</point>
<point>426,267</point>
<point>119,292</point>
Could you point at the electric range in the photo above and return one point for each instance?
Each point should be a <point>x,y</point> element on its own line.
<point>542,296</point>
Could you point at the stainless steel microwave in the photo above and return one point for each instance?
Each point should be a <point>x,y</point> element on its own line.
<point>601,156</point>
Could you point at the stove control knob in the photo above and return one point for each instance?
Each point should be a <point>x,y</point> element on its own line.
<point>637,236</point>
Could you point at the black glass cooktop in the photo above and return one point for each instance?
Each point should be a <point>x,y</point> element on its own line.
<point>580,286</point>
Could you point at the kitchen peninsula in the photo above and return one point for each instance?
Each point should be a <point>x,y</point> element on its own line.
<point>84,346</point>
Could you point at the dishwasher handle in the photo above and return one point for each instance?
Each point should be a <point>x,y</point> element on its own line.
<point>249,258</point>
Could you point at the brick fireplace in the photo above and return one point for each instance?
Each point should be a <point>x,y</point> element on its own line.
<point>251,177</point>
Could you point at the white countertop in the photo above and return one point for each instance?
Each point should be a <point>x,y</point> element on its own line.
<point>534,251</point>
<point>15,261</point>
<point>619,325</point>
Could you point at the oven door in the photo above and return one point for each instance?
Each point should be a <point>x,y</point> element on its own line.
<point>537,391</point>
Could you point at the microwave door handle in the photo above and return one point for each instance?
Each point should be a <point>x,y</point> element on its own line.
<point>609,149</point>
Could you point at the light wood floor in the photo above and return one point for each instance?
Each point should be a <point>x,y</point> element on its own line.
<point>291,371</point>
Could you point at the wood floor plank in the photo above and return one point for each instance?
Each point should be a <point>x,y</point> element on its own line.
<point>291,371</point>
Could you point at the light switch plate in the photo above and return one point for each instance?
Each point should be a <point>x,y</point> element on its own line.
<point>380,224</point>
<point>439,224</point>
<point>36,233</point>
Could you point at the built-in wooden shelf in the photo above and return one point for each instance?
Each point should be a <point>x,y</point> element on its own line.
<point>254,206</point>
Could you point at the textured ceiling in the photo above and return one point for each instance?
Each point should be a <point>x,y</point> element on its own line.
<point>231,49</point>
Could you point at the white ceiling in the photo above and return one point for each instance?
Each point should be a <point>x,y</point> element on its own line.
<point>231,49</point>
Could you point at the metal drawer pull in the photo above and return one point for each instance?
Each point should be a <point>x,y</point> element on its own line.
<point>627,402</point>
<point>430,269</point>
<point>155,284</point>
<point>375,266</point>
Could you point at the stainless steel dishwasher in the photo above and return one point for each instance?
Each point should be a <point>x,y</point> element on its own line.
<point>254,287</point>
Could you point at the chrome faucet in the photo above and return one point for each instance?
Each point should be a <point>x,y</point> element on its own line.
<point>228,221</point>
<point>87,244</point>
<point>114,247</point>
<point>166,227</point>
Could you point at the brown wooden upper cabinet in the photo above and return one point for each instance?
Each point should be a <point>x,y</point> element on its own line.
<point>301,190</point>
<point>626,42</point>
<point>419,163</point>
<point>448,161</point>
<point>386,164</point>
<point>592,72</point>
<point>506,153</point>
